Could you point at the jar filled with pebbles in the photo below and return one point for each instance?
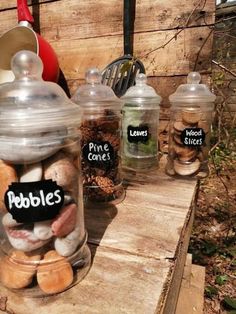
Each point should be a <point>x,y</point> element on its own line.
<point>140,121</point>
<point>190,125</point>
<point>100,147</point>
<point>43,242</point>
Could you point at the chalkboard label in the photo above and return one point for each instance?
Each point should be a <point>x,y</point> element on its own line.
<point>29,202</point>
<point>193,136</point>
<point>99,154</point>
<point>138,134</point>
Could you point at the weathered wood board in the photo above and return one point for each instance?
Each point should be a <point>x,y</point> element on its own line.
<point>118,282</point>
<point>83,38</point>
<point>83,15</point>
<point>191,297</point>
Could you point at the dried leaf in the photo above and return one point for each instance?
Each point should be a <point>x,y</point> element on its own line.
<point>126,66</point>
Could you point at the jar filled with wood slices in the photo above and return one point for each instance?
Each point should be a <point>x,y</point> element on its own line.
<point>140,120</point>
<point>43,242</point>
<point>100,141</point>
<point>190,126</point>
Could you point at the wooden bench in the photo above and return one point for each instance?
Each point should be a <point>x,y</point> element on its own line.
<point>139,249</point>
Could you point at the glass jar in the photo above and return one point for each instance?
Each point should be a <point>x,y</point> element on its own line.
<point>42,240</point>
<point>100,133</point>
<point>140,126</point>
<point>190,126</point>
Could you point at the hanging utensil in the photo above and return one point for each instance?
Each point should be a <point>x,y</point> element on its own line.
<point>121,73</point>
<point>23,37</point>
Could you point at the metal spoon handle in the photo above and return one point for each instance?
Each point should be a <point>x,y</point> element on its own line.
<point>128,26</point>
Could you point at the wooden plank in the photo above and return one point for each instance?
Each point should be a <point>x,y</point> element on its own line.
<point>129,232</point>
<point>177,58</point>
<point>187,274</point>
<point>118,282</point>
<point>156,204</point>
<point>181,253</point>
<point>191,297</point>
<point>11,4</point>
<point>165,191</point>
<point>61,15</point>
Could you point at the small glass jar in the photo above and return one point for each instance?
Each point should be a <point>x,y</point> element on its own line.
<point>190,126</point>
<point>100,133</point>
<point>140,126</point>
<point>42,238</point>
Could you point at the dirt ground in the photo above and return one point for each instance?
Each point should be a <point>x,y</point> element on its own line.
<point>213,240</point>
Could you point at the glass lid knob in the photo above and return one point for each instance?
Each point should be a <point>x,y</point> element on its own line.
<point>141,79</point>
<point>26,64</point>
<point>193,78</point>
<point>93,76</point>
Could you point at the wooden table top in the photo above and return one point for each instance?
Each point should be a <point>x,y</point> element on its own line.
<point>137,248</point>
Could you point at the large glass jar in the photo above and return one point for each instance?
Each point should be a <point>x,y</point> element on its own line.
<point>140,120</point>
<point>100,133</point>
<point>190,126</point>
<point>42,236</point>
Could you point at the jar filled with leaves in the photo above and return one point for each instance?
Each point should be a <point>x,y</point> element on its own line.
<point>190,126</point>
<point>140,126</point>
<point>100,133</point>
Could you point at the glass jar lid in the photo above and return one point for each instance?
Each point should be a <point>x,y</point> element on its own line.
<point>94,91</point>
<point>29,105</point>
<point>142,90</point>
<point>193,91</point>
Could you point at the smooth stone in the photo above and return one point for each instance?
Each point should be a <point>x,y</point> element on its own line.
<point>43,230</point>
<point>32,173</point>
<point>8,175</point>
<point>67,245</point>
<point>54,274</point>
<point>65,222</point>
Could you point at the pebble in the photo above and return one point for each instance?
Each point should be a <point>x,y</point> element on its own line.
<point>54,274</point>
<point>65,222</point>
<point>7,176</point>
<point>32,173</point>
<point>43,230</point>
<point>18,269</point>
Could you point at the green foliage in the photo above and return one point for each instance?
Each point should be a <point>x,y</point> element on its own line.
<point>222,157</point>
<point>211,291</point>
<point>219,78</point>
<point>232,251</point>
<point>221,279</point>
<point>230,302</point>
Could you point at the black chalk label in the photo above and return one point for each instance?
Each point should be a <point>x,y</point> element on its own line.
<point>138,134</point>
<point>29,202</point>
<point>99,154</point>
<point>193,136</point>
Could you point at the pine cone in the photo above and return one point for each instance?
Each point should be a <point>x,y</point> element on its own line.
<point>112,139</point>
<point>110,122</point>
<point>105,184</point>
<point>87,134</point>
